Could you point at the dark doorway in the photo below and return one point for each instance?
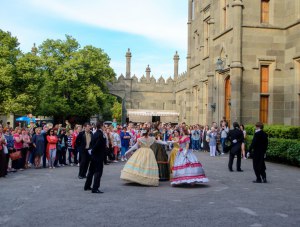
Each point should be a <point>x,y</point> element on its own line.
<point>155,118</point>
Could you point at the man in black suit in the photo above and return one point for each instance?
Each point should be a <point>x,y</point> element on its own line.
<point>259,146</point>
<point>236,138</point>
<point>83,142</point>
<point>97,152</point>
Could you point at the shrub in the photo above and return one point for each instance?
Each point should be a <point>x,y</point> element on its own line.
<point>277,131</point>
<point>282,150</point>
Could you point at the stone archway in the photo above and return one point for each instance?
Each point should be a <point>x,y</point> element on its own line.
<point>118,89</point>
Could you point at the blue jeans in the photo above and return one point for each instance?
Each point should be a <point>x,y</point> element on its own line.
<point>123,150</point>
<point>196,145</point>
<point>52,157</point>
<point>223,140</point>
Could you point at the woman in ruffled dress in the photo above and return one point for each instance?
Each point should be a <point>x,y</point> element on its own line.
<point>174,151</point>
<point>187,169</point>
<point>142,167</point>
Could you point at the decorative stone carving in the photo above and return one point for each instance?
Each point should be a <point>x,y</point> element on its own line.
<point>135,79</point>
<point>121,78</point>
<point>161,80</point>
<point>143,79</point>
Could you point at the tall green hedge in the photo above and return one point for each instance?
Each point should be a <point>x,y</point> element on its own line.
<point>282,150</point>
<point>277,131</point>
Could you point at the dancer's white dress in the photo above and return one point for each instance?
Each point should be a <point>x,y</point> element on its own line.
<point>187,169</point>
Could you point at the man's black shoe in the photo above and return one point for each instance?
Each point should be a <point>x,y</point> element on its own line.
<point>256,181</point>
<point>97,191</point>
<point>231,170</point>
<point>88,189</point>
<point>80,177</point>
<point>265,180</point>
<point>106,163</point>
<point>240,170</point>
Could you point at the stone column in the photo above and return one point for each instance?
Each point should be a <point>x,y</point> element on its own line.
<point>236,67</point>
<point>128,63</point>
<point>210,98</point>
<point>176,60</point>
<point>189,23</point>
<point>188,91</point>
<point>148,70</point>
<point>124,111</point>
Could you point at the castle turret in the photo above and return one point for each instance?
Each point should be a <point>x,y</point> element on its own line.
<point>34,50</point>
<point>148,70</point>
<point>128,63</point>
<point>176,60</point>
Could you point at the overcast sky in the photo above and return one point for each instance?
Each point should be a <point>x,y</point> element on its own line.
<point>152,29</point>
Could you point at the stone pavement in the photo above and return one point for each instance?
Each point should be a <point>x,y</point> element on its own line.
<point>56,198</point>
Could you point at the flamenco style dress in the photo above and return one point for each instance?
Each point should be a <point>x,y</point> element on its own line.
<point>142,167</point>
<point>173,155</point>
<point>187,169</point>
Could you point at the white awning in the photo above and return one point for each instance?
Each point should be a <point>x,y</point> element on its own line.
<point>139,112</point>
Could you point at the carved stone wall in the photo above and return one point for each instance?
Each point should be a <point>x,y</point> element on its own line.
<point>227,46</point>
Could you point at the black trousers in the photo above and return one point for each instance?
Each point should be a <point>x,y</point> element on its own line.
<point>84,163</point>
<point>259,167</point>
<point>106,156</point>
<point>75,152</point>
<point>58,157</point>
<point>62,157</point>
<point>3,168</point>
<point>70,152</point>
<point>44,159</point>
<point>95,170</point>
<point>24,154</point>
<point>238,160</point>
<point>17,164</point>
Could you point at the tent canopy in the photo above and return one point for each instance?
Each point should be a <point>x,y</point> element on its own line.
<point>141,112</point>
<point>25,118</point>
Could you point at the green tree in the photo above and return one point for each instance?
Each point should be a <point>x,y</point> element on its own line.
<point>26,85</point>
<point>9,53</point>
<point>75,79</point>
<point>117,111</point>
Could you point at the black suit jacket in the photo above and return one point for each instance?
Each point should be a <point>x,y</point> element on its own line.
<point>81,141</point>
<point>238,135</point>
<point>98,145</point>
<point>259,144</point>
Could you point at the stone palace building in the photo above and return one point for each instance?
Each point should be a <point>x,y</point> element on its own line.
<point>243,63</point>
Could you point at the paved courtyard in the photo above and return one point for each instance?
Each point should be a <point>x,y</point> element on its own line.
<point>56,198</point>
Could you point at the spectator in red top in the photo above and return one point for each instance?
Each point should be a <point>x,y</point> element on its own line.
<point>51,148</point>
<point>77,130</point>
<point>18,145</point>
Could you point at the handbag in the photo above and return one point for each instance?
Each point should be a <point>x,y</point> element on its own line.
<point>207,138</point>
<point>15,155</point>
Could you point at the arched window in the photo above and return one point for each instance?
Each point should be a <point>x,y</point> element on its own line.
<point>265,11</point>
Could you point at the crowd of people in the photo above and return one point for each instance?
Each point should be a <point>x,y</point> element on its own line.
<point>142,146</point>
